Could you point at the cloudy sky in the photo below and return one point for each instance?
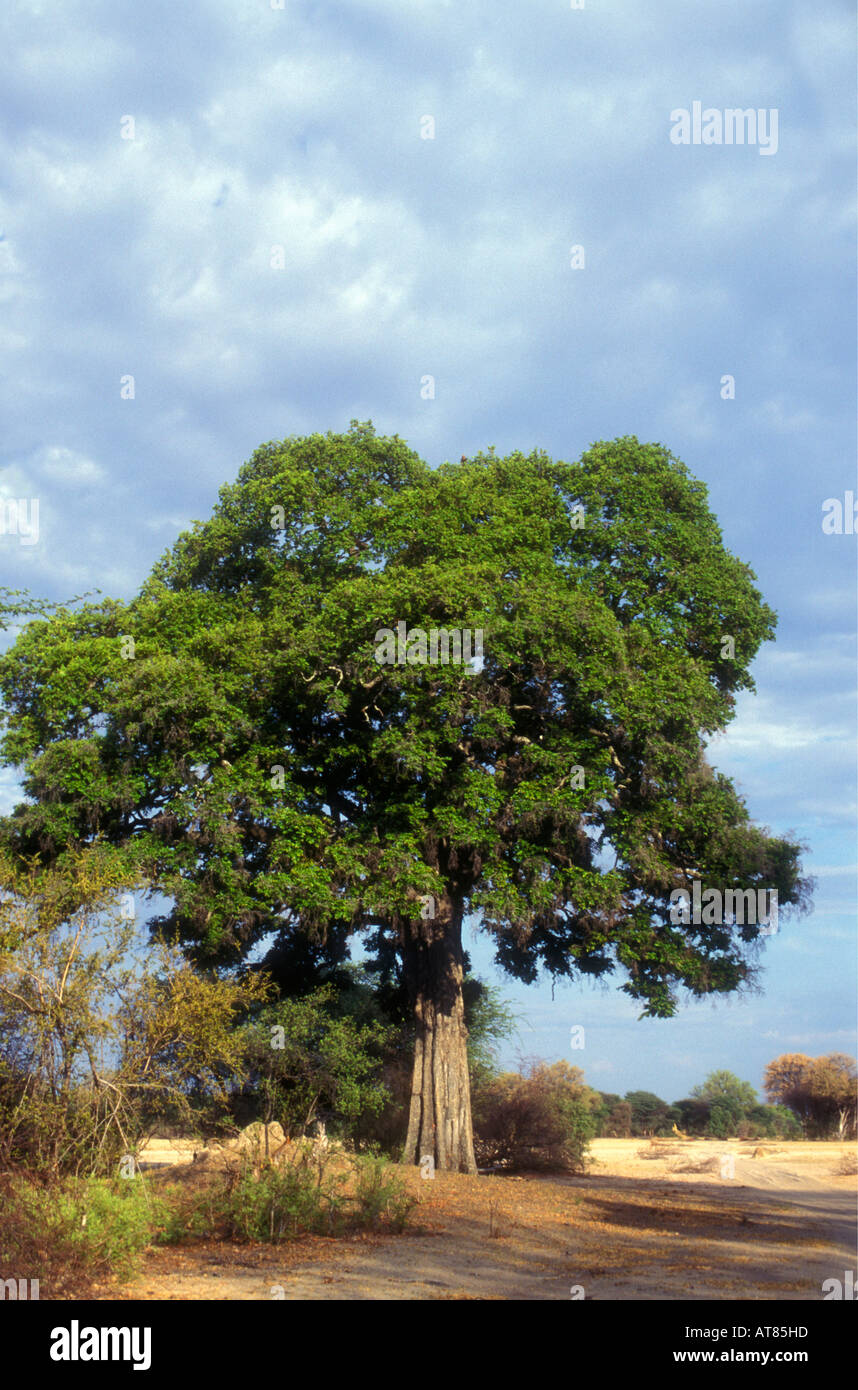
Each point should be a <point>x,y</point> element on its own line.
<point>275,220</point>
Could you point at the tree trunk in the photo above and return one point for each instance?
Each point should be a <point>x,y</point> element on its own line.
<point>439,1121</point>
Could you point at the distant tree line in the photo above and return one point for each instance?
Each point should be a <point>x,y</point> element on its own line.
<point>808,1097</point>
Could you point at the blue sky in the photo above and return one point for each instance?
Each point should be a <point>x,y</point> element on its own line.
<point>277,249</point>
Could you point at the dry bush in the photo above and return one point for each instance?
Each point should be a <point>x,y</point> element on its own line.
<point>703,1165</point>
<point>539,1120</point>
<point>847,1166</point>
<point>500,1222</point>
<point>96,1045</point>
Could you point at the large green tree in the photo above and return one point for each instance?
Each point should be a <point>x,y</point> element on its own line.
<point>726,1086</point>
<point>650,1114</point>
<point>236,730</point>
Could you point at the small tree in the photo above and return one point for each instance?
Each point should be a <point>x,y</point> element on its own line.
<point>96,1045</point>
<point>725,1118</point>
<point>619,1120</point>
<point>730,1101</point>
<point>306,1062</point>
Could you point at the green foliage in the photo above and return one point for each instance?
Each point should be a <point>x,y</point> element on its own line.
<point>649,1114</point>
<point>77,1230</point>
<point>111,1221</point>
<point>305,1062</point>
<point>612,1116</point>
<point>729,1101</point>
<point>17,604</point>
<point>256,764</point>
<point>725,1118</point>
<point>541,1118</point>
<point>381,1198</point>
<point>724,1107</point>
<point>490,1021</point>
<point>271,1205</point>
<point>366,1008</point>
<point>724,1086</point>
<point>311,1193</point>
<point>771,1122</point>
<point>721,1107</point>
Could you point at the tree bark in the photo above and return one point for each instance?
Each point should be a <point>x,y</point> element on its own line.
<point>439,1121</point>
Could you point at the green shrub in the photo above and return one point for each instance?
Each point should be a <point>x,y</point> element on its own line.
<point>323,1195</point>
<point>380,1194</point>
<point>306,1061</point>
<point>772,1122</point>
<point>276,1203</point>
<point>725,1117</point>
<point>110,1221</point>
<point>76,1231</point>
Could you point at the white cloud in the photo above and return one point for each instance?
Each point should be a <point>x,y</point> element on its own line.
<point>777,415</point>
<point>754,731</point>
<point>603,1067</point>
<point>66,465</point>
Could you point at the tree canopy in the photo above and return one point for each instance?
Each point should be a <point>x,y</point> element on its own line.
<point>726,1086</point>
<point>235,730</point>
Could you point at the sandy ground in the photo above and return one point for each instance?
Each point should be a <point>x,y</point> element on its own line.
<point>666,1220</point>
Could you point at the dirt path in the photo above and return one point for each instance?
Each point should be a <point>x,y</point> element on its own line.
<point>642,1231</point>
<point>833,1213</point>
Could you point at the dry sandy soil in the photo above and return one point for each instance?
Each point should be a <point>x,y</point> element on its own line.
<point>648,1221</point>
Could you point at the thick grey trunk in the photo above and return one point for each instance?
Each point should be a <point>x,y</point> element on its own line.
<point>439,1121</point>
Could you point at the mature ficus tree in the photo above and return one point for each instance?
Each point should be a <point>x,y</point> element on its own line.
<point>265,770</point>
